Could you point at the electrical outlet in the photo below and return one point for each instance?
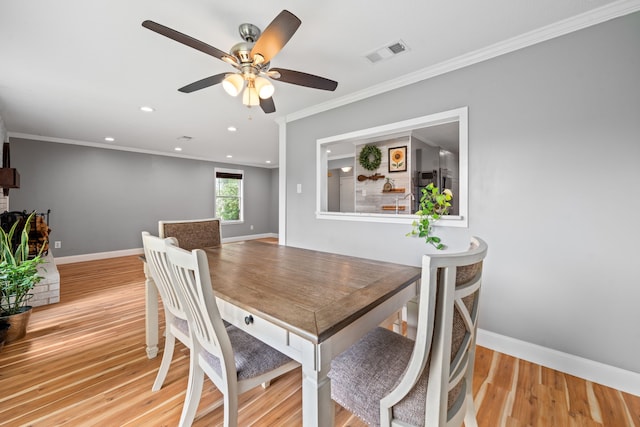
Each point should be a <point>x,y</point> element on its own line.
<point>57,244</point>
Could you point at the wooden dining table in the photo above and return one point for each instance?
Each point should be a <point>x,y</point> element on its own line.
<point>309,305</point>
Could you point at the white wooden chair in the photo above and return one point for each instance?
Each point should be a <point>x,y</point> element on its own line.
<point>193,233</point>
<point>234,360</point>
<point>176,325</point>
<point>387,379</point>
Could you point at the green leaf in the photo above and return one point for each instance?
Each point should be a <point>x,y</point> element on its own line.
<point>433,205</point>
<point>18,273</point>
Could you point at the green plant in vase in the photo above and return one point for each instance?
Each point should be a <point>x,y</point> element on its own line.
<point>18,272</point>
<point>433,205</point>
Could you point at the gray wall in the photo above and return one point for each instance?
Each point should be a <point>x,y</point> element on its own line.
<point>554,154</point>
<point>101,199</point>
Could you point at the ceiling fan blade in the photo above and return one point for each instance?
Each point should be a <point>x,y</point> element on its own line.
<point>267,105</point>
<point>303,79</point>
<point>201,84</point>
<point>276,35</point>
<point>184,39</point>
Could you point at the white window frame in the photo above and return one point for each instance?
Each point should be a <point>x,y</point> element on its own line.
<point>240,196</point>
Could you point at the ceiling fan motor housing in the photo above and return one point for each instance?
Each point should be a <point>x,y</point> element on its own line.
<point>242,51</point>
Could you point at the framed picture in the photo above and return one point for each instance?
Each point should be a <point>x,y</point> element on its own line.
<point>398,159</point>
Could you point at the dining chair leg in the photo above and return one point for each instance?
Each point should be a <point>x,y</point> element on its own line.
<point>169,345</point>
<point>470,414</point>
<point>194,392</point>
<point>230,409</point>
<point>470,410</point>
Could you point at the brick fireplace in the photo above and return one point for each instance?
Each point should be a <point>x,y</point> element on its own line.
<point>48,290</point>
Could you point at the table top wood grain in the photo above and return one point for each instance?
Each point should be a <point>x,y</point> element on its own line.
<point>311,293</point>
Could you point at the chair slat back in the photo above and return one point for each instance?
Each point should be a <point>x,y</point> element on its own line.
<point>190,273</point>
<point>445,337</point>
<point>193,234</point>
<point>156,258</point>
<point>449,390</point>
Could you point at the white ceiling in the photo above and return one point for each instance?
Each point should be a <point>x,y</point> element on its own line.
<point>76,71</point>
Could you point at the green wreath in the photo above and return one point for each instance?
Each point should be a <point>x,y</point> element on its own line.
<point>370,157</point>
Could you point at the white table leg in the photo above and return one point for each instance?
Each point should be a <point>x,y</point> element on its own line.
<point>317,406</point>
<point>151,314</point>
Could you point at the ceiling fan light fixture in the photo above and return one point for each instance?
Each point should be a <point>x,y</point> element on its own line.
<point>233,84</point>
<point>264,87</point>
<point>250,96</point>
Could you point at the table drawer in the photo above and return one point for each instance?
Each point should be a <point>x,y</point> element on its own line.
<point>260,328</point>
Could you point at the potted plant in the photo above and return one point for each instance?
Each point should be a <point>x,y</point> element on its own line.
<point>4,327</point>
<point>18,275</point>
<point>433,204</point>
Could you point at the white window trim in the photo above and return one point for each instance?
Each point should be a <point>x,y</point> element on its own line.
<point>215,198</point>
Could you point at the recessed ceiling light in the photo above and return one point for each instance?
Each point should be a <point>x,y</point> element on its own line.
<point>232,129</point>
<point>268,161</point>
<point>109,138</point>
<point>229,156</point>
<point>178,149</point>
<point>147,109</point>
<point>328,151</point>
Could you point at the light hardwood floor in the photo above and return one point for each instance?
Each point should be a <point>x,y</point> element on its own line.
<point>83,363</point>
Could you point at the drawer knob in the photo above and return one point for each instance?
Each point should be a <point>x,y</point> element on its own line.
<point>248,319</point>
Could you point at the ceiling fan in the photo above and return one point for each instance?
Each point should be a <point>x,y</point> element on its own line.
<point>251,59</point>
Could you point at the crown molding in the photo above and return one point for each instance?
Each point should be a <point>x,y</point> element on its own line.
<point>42,138</point>
<point>557,29</point>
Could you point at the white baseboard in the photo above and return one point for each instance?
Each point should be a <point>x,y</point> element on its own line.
<point>139,251</point>
<point>250,237</point>
<point>96,256</point>
<point>610,376</point>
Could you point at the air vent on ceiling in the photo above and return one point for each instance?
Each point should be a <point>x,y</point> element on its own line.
<point>388,51</point>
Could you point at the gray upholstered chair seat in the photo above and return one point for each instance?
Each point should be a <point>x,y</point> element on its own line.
<point>376,364</point>
<point>252,356</point>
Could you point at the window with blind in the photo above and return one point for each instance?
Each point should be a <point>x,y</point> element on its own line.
<point>229,195</point>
